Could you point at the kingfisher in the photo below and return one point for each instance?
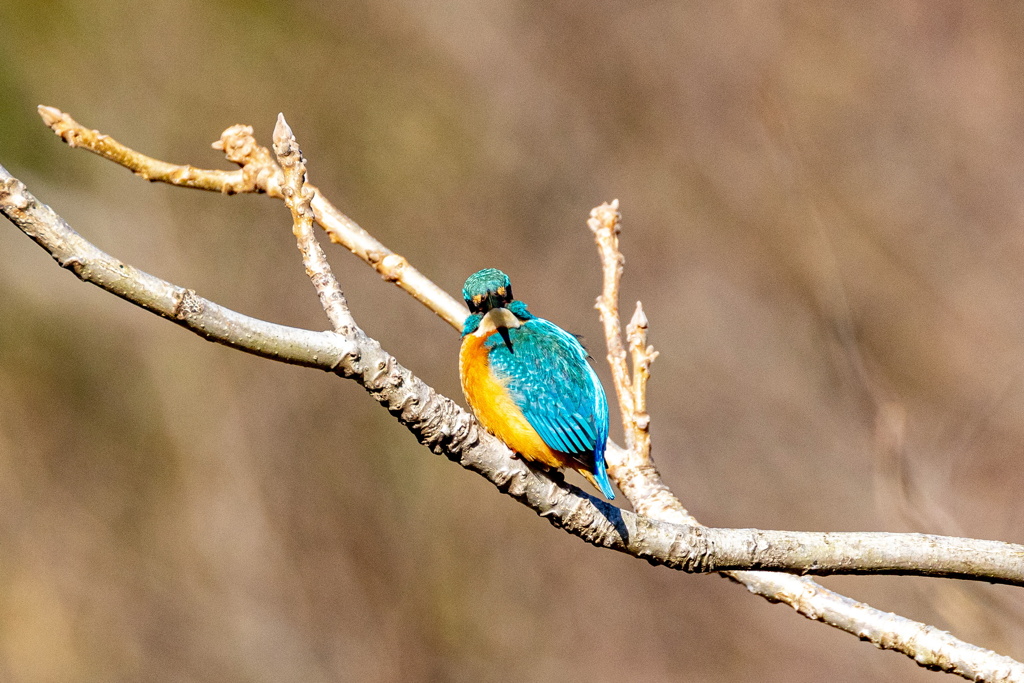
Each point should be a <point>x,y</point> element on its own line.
<point>529,383</point>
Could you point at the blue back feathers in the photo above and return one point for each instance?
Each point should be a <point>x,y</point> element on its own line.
<point>547,375</point>
<point>549,378</point>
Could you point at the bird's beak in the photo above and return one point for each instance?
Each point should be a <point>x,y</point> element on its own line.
<point>499,318</point>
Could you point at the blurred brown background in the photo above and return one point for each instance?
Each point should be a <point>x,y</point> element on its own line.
<point>823,213</point>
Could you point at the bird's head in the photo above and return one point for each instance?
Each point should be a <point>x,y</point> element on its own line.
<point>488,293</point>
<point>486,289</point>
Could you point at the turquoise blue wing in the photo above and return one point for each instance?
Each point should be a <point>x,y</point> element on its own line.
<point>549,378</point>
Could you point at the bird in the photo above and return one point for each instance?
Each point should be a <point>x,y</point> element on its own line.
<point>530,384</point>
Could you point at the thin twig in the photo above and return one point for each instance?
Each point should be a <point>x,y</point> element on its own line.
<point>297,196</point>
<point>604,223</point>
<point>631,468</point>
<point>642,355</point>
<point>228,182</point>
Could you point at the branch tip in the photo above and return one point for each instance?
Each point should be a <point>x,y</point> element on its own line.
<point>639,319</point>
<point>50,115</point>
<point>282,131</point>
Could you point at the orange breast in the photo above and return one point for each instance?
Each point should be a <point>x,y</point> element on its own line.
<point>495,409</point>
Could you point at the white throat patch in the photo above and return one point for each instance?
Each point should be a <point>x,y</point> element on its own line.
<point>495,318</point>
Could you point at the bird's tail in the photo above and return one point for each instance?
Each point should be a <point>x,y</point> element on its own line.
<point>599,477</point>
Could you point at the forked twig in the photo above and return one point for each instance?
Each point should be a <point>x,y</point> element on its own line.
<point>260,174</point>
<point>634,471</point>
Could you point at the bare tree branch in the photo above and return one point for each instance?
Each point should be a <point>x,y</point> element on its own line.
<point>639,480</point>
<point>297,196</point>
<point>259,173</point>
<point>928,646</point>
<point>604,223</point>
<point>426,413</point>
